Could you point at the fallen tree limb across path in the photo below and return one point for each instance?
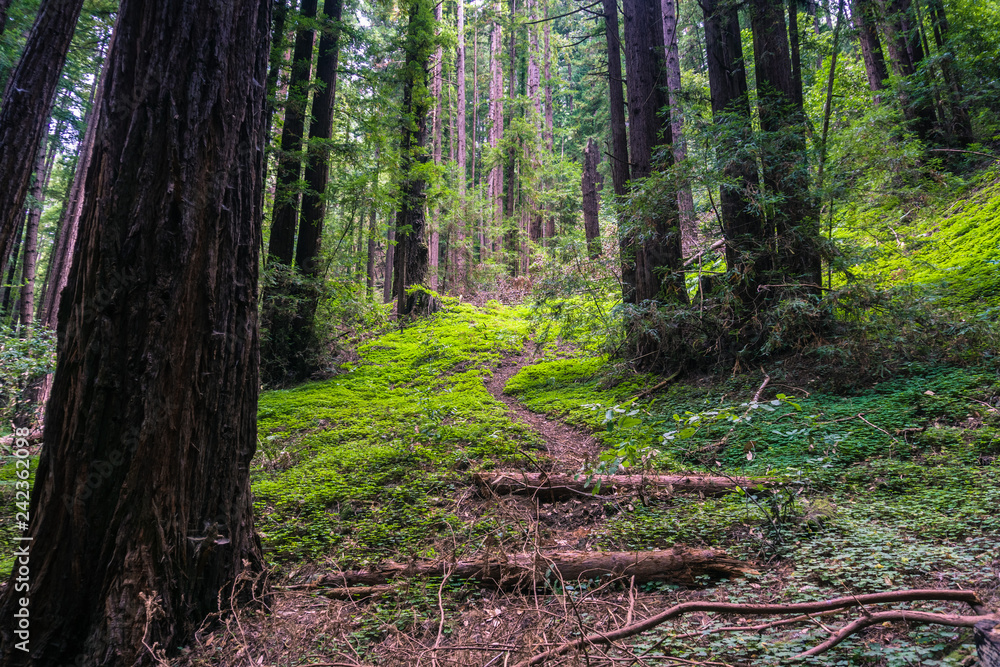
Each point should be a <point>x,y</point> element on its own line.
<point>558,486</point>
<point>678,566</point>
<point>869,618</point>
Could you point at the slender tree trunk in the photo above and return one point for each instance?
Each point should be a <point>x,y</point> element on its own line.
<point>4,6</point>
<point>27,308</point>
<point>437,91</point>
<point>619,138</point>
<point>746,236</point>
<point>620,173</point>
<point>905,54</point>
<point>156,385</point>
<point>656,244</point>
<point>871,47</point>
<point>280,16</point>
<point>784,148</point>
<point>317,169</point>
<point>794,41</point>
<point>828,107</point>
<point>10,268</point>
<point>672,61</point>
<point>411,247</point>
<point>495,188</point>
<point>549,231</point>
<point>569,85</point>
<point>390,249</point>
<point>591,204</point>
<point>957,106</point>
<point>27,100</point>
<point>510,183</point>
<point>284,215</point>
<point>370,264</point>
<point>461,260</point>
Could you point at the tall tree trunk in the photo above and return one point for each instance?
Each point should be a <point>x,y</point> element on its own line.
<point>370,264</point>
<point>495,185</point>
<point>782,121</point>
<point>461,259</point>
<point>510,183</point>
<point>390,250</point>
<point>411,247</point>
<point>619,138</point>
<point>284,215</point>
<point>437,90</point>
<point>280,16</point>
<point>550,222</point>
<point>27,100</point>
<point>317,169</point>
<point>746,236</point>
<point>672,61</point>
<point>536,220</point>
<point>655,242</point>
<point>10,268</point>
<point>905,54</point>
<point>4,6</point>
<point>591,183</point>
<point>871,47</point>
<point>957,106</point>
<point>794,41</point>
<point>156,384</point>
<point>27,313</point>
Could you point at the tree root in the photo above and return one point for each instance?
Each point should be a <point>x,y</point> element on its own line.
<point>804,609</point>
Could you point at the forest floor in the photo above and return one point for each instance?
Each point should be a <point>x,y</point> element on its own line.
<point>890,487</point>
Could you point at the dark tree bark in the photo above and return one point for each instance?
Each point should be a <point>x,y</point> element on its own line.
<point>672,61</point>
<point>794,43</point>
<point>619,138</point>
<point>317,169</point>
<point>280,16</point>
<point>961,123</point>
<point>370,263</point>
<point>411,255</point>
<point>4,6</point>
<point>871,47</point>
<point>782,121</point>
<point>654,243</point>
<point>281,246</point>
<point>141,514</point>
<point>24,113</point>
<point>905,54</point>
<point>591,182</point>
<point>10,268</point>
<point>495,184</point>
<point>746,236</point>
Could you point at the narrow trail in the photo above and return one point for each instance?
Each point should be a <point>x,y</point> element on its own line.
<point>567,447</point>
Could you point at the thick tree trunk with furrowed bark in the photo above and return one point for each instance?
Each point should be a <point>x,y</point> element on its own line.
<point>141,514</point>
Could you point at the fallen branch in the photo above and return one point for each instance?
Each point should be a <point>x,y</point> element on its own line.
<point>680,566</point>
<point>769,609</point>
<point>559,486</point>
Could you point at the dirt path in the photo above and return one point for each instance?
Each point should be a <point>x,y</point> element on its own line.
<point>568,448</point>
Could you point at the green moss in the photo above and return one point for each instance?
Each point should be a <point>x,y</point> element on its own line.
<point>953,250</point>
<point>355,467</point>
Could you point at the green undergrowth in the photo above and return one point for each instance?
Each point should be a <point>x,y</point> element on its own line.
<point>366,465</point>
<point>892,487</point>
<point>950,248</point>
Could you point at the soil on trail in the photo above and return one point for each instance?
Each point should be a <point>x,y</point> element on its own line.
<point>567,448</point>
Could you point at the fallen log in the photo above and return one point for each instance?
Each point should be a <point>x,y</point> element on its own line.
<point>677,566</point>
<point>554,486</point>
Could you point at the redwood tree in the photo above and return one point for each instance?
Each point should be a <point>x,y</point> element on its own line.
<point>141,511</point>
<point>24,114</point>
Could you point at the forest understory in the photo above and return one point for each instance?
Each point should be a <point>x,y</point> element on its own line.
<point>894,487</point>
